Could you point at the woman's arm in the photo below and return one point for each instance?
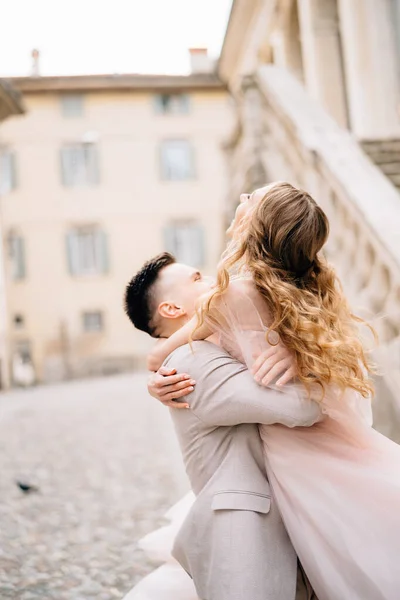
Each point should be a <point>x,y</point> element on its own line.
<point>181,337</point>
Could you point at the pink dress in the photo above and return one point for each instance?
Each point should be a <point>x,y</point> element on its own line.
<point>337,484</point>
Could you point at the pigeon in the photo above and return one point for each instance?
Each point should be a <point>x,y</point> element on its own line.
<point>27,488</point>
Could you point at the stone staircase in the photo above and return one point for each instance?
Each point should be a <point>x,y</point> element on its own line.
<point>293,139</point>
<point>386,155</point>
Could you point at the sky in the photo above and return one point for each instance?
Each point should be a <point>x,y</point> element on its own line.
<point>77,37</point>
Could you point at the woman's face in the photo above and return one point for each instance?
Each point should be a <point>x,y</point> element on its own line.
<point>245,207</point>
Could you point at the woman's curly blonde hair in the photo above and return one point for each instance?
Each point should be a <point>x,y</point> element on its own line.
<point>279,245</point>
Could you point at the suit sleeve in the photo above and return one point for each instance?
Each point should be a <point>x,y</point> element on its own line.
<point>226,394</point>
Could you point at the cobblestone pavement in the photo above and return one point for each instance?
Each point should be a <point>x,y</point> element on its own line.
<point>107,466</point>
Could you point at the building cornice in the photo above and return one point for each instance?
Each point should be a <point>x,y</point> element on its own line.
<point>135,82</point>
<point>240,17</point>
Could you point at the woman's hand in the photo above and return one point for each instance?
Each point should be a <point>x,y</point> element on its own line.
<point>169,387</point>
<point>275,361</point>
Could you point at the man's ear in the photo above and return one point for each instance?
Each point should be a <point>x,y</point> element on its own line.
<point>170,310</point>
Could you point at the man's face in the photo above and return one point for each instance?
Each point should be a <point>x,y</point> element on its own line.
<point>178,289</point>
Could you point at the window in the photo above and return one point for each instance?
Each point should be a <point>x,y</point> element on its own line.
<point>176,160</point>
<point>8,179</point>
<point>87,251</point>
<point>79,164</point>
<point>72,105</point>
<point>92,321</point>
<point>186,242</point>
<point>172,104</point>
<point>16,253</point>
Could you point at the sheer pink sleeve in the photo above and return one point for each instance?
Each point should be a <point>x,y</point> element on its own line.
<point>240,319</point>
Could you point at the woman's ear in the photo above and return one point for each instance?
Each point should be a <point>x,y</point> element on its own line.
<point>170,310</point>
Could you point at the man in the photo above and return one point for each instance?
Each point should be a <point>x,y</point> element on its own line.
<point>233,542</point>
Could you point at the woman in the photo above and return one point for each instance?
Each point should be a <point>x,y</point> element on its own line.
<point>337,483</point>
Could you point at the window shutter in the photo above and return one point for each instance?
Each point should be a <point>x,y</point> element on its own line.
<point>72,105</point>
<point>192,162</point>
<point>13,171</point>
<point>79,165</point>
<point>190,244</point>
<point>72,253</point>
<point>65,165</point>
<point>174,104</point>
<point>158,104</point>
<point>92,164</point>
<point>163,157</point>
<point>170,240</point>
<point>177,161</point>
<point>8,180</point>
<point>197,245</point>
<point>20,267</point>
<point>184,102</point>
<point>102,252</point>
<point>17,257</point>
<point>4,183</point>
<point>186,242</point>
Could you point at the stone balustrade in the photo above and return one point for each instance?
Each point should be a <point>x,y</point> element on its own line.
<point>303,145</point>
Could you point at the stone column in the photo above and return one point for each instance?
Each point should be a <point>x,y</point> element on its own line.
<point>370,65</point>
<point>322,55</point>
<point>284,39</point>
<point>278,49</point>
<point>252,123</point>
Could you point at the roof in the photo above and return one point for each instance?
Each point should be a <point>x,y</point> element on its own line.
<point>239,22</point>
<point>10,100</point>
<point>81,83</point>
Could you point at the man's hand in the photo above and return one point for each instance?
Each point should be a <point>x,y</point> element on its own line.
<point>275,361</point>
<point>167,386</point>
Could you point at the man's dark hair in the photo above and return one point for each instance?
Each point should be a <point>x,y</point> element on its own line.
<point>138,299</point>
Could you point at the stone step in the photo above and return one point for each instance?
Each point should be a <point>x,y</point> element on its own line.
<point>395,179</point>
<point>390,168</point>
<point>380,155</point>
<point>385,408</point>
<point>381,145</point>
<point>386,155</point>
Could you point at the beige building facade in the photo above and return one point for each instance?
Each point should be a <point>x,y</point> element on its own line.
<point>317,92</point>
<point>10,106</point>
<point>107,171</point>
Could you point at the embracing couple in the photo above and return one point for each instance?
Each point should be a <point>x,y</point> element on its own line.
<point>291,483</point>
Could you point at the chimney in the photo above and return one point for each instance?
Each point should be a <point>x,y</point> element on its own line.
<point>200,61</point>
<point>35,62</point>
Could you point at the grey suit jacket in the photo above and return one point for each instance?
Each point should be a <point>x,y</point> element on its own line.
<point>233,542</point>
